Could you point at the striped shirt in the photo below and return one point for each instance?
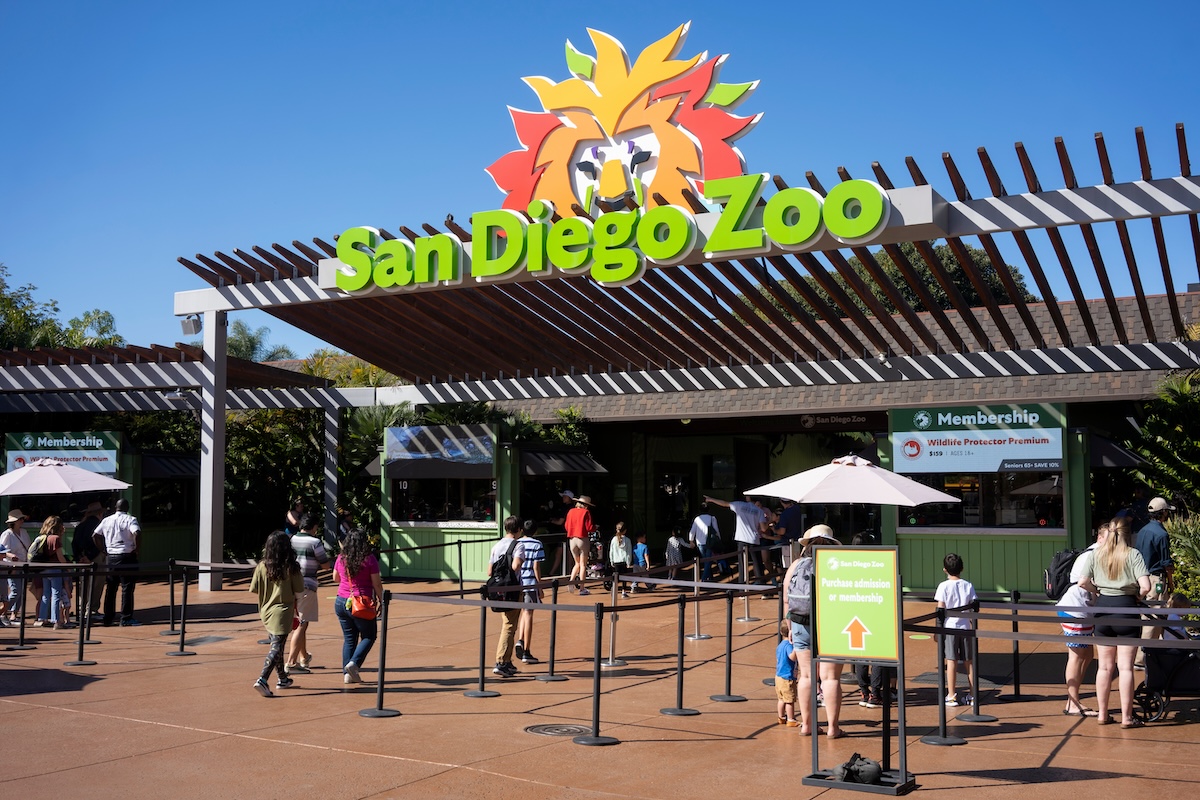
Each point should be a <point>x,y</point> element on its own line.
<point>310,552</point>
<point>530,551</point>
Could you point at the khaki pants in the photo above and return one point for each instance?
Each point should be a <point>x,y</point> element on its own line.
<point>508,635</point>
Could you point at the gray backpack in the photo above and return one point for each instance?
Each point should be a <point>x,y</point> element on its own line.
<point>799,591</point>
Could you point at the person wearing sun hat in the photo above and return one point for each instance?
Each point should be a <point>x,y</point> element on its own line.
<point>15,544</point>
<point>579,527</point>
<point>829,674</point>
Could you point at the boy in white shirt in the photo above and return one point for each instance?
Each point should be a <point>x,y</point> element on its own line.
<point>955,592</point>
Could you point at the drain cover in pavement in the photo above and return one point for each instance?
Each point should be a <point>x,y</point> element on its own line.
<point>559,730</point>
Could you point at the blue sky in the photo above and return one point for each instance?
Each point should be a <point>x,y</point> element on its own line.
<point>135,133</point>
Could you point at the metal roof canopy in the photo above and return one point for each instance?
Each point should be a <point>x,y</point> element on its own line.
<point>686,322</point>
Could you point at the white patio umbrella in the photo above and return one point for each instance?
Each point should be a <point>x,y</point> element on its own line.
<point>50,476</point>
<point>851,479</point>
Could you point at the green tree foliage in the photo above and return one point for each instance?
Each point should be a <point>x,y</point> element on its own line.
<point>28,322</point>
<point>251,344</point>
<point>346,370</point>
<point>925,275</point>
<point>1169,440</point>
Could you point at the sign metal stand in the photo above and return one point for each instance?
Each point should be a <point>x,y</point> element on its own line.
<point>857,615</point>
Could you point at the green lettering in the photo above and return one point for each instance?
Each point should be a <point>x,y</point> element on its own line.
<point>856,210</point>
<point>792,217</point>
<point>569,245</point>
<point>393,264</point>
<point>441,250</point>
<point>541,211</point>
<point>354,249</point>
<point>497,243</point>
<point>666,234</point>
<point>741,194</point>
<point>614,261</point>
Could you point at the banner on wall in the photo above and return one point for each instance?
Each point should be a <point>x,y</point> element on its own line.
<point>96,451</point>
<point>978,439</point>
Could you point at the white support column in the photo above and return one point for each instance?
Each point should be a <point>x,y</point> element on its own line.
<point>212,448</point>
<point>332,440</point>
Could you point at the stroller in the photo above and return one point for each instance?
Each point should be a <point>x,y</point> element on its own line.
<point>598,566</point>
<point>1169,673</point>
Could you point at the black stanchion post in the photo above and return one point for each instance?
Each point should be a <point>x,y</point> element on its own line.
<point>728,697</point>
<point>1016,646</point>
<point>171,594</point>
<point>483,610</point>
<point>24,598</point>
<point>941,738</point>
<point>461,591</point>
<point>550,676</point>
<point>379,710</point>
<point>183,618</point>
<point>86,620</point>
<point>679,710</point>
<point>595,739</point>
<point>79,660</point>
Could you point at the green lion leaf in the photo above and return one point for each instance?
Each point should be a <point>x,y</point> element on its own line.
<point>726,94</point>
<point>580,64</point>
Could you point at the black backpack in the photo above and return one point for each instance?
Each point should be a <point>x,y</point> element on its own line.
<point>503,578</point>
<point>1058,574</point>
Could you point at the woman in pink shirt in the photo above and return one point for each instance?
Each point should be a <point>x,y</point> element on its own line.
<point>357,571</point>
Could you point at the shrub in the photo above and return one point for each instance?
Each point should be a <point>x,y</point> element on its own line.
<point>1185,552</point>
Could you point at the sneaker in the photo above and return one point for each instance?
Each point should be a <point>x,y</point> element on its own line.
<point>530,658</point>
<point>966,700</point>
<point>351,670</point>
<point>866,696</point>
<point>504,670</point>
<point>951,701</point>
<point>284,683</point>
<point>511,668</point>
<point>519,650</point>
<point>306,662</point>
<point>261,687</point>
<point>584,592</point>
<point>297,668</point>
<point>872,702</point>
<point>820,700</point>
<point>130,623</point>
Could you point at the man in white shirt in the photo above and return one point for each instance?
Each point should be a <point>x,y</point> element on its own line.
<point>704,526</point>
<point>120,536</point>
<point>751,522</point>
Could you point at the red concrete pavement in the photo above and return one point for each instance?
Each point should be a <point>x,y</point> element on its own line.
<point>141,723</point>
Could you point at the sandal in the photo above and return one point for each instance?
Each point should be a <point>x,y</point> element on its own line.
<point>1080,711</point>
<point>1136,723</point>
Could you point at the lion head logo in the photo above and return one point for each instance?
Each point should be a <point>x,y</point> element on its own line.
<point>615,132</point>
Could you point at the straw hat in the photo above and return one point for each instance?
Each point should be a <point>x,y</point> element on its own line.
<point>587,501</point>
<point>819,532</point>
<point>17,515</point>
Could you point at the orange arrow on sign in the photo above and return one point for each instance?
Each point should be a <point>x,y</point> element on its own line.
<point>858,634</point>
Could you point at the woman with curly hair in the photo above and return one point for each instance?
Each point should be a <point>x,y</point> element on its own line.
<point>357,572</point>
<point>1116,571</point>
<point>277,582</point>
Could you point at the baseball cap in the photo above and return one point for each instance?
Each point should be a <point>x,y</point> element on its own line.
<point>1159,504</point>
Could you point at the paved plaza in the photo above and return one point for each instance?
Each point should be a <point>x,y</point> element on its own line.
<point>141,723</point>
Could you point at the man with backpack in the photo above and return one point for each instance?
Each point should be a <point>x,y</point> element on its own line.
<point>502,573</point>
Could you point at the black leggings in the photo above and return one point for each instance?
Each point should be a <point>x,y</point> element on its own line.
<point>1126,626</point>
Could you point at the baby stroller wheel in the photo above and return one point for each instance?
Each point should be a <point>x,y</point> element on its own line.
<point>607,585</point>
<point>1153,705</point>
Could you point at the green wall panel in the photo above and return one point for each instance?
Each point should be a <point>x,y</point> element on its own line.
<point>433,561</point>
<point>992,562</point>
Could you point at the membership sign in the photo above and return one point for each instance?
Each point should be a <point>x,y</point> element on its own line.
<point>979,439</point>
<point>857,611</point>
